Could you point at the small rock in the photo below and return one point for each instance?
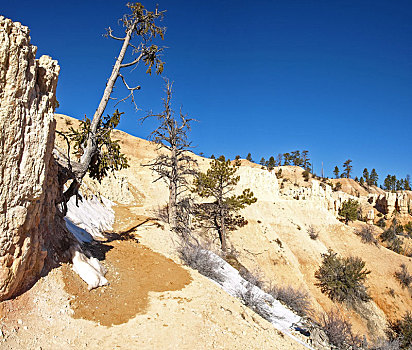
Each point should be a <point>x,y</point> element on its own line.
<point>19,321</point>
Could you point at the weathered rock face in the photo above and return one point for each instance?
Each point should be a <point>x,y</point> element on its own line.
<point>263,183</point>
<point>389,202</point>
<point>28,188</point>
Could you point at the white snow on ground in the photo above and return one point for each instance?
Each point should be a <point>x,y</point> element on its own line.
<point>281,317</point>
<point>90,218</point>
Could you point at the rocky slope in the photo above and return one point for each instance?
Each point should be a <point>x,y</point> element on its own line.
<point>276,241</point>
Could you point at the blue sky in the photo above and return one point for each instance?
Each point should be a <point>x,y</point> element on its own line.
<point>266,77</point>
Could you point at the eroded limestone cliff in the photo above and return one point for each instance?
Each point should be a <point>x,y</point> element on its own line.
<point>28,188</point>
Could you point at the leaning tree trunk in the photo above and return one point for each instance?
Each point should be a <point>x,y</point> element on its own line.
<point>32,231</point>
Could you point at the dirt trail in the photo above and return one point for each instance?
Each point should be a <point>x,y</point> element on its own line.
<point>134,271</point>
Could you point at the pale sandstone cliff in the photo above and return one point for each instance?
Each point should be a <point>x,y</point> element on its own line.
<point>33,235</point>
<point>28,173</point>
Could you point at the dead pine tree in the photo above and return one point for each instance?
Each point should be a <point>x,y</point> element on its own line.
<point>92,143</point>
<point>175,165</point>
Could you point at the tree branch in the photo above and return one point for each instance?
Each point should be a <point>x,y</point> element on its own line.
<point>110,35</point>
<point>131,94</point>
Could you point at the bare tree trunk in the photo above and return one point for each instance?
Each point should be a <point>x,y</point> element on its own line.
<point>173,190</point>
<point>222,230</point>
<point>172,204</point>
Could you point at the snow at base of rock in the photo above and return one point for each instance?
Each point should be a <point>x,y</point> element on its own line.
<point>90,218</point>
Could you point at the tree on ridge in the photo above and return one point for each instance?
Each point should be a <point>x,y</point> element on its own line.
<point>176,164</point>
<point>218,184</point>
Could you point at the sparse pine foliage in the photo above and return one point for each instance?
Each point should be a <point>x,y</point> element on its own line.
<point>218,184</point>
<point>389,183</point>
<point>107,156</point>
<point>271,163</point>
<point>347,168</point>
<point>342,279</point>
<point>336,172</point>
<point>374,177</point>
<point>407,183</point>
<point>279,158</point>
<point>349,210</point>
<point>306,160</point>
<point>361,181</point>
<point>306,175</point>
<point>287,158</point>
<point>262,162</point>
<point>366,177</point>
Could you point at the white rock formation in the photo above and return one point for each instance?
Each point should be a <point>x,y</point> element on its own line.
<point>389,202</point>
<point>263,183</point>
<point>28,173</point>
<point>33,235</point>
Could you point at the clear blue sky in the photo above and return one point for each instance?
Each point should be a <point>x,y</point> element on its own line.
<point>266,77</point>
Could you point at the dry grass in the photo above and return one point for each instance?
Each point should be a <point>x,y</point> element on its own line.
<point>202,260</point>
<point>367,234</point>
<point>403,276</point>
<point>339,331</point>
<point>250,297</point>
<point>296,299</point>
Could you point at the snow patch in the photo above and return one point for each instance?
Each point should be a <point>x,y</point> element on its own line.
<point>89,270</point>
<point>90,218</point>
<point>281,317</point>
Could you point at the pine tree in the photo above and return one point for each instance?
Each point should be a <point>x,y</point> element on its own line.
<point>408,182</point>
<point>218,183</point>
<point>249,157</point>
<point>271,163</point>
<point>366,176</point>
<point>361,181</point>
<point>296,160</point>
<point>262,161</point>
<point>306,160</point>
<point>336,172</point>
<point>349,210</point>
<point>347,168</point>
<point>373,177</point>
<point>287,158</point>
<point>389,183</point>
<point>278,161</point>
